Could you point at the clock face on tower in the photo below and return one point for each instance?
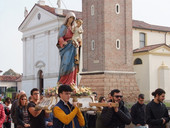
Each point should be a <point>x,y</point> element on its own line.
<point>39,16</point>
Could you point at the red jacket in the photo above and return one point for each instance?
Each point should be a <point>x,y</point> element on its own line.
<point>2,115</point>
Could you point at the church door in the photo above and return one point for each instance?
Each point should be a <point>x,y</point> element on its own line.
<point>41,82</point>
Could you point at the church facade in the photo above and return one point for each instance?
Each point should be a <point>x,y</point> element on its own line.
<point>41,57</point>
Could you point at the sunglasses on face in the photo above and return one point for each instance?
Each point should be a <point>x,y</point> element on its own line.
<point>118,96</point>
<point>23,99</point>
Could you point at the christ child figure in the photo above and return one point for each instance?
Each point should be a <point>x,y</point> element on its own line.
<point>77,36</point>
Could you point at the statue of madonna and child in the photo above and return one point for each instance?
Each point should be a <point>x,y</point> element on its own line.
<point>69,43</point>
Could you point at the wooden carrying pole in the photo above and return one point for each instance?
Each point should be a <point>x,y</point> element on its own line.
<point>103,104</point>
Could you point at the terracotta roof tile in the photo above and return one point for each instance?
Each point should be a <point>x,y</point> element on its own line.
<point>144,25</point>
<point>19,79</point>
<point>77,13</point>
<point>148,48</point>
<point>52,10</point>
<point>136,23</point>
<point>46,7</point>
<point>9,78</point>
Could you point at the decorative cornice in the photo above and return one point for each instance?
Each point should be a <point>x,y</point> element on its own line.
<point>160,54</point>
<point>31,77</point>
<point>46,76</point>
<point>39,64</point>
<point>51,75</point>
<point>106,72</point>
<point>47,32</point>
<point>32,37</point>
<point>163,66</point>
<point>24,39</point>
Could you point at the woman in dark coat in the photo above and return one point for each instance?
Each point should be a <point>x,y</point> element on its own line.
<point>22,113</point>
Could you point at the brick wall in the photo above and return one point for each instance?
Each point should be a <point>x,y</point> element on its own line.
<point>104,83</point>
<point>105,27</point>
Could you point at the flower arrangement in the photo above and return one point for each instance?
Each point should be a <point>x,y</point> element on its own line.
<point>77,91</point>
<point>51,91</point>
<point>80,91</point>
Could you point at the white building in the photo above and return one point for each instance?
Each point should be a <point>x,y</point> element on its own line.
<point>9,84</point>
<point>41,57</point>
<point>151,57</point>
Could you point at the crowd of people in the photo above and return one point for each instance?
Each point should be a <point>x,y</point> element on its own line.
<point>68,115</point>
<point>24,113</point>
<point>153,115</point>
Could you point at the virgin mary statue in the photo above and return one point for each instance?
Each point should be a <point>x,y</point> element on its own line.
<point>68,66</point>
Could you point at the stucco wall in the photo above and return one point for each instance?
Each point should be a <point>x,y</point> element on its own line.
<point>155,63</point>
<point>142,76</point>
<point>168,38</point>
<point>152,37</point>
<point>147,73</point>
<point>27,85</point>
<point>40,51</point>
<point>8,84</point>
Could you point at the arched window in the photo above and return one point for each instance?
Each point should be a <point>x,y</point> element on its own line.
<point>92,45</point>
<point>92,10</point>
<point>117,8</point>
<point>142,39</point>
<point>118,44</point>
<point>137,61</point>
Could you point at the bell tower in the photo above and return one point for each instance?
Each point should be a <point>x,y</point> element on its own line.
<point>107,47</point>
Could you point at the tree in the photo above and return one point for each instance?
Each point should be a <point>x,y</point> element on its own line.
<point>10,72</point>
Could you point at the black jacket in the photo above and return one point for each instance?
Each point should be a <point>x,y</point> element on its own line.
<point>154,114</point>
<point>13,110</point>
<point>138,114</point>
<point>19,116</point>
<point>112,119</point>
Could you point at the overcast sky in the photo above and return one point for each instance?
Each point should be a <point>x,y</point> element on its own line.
<point>155,12</point>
